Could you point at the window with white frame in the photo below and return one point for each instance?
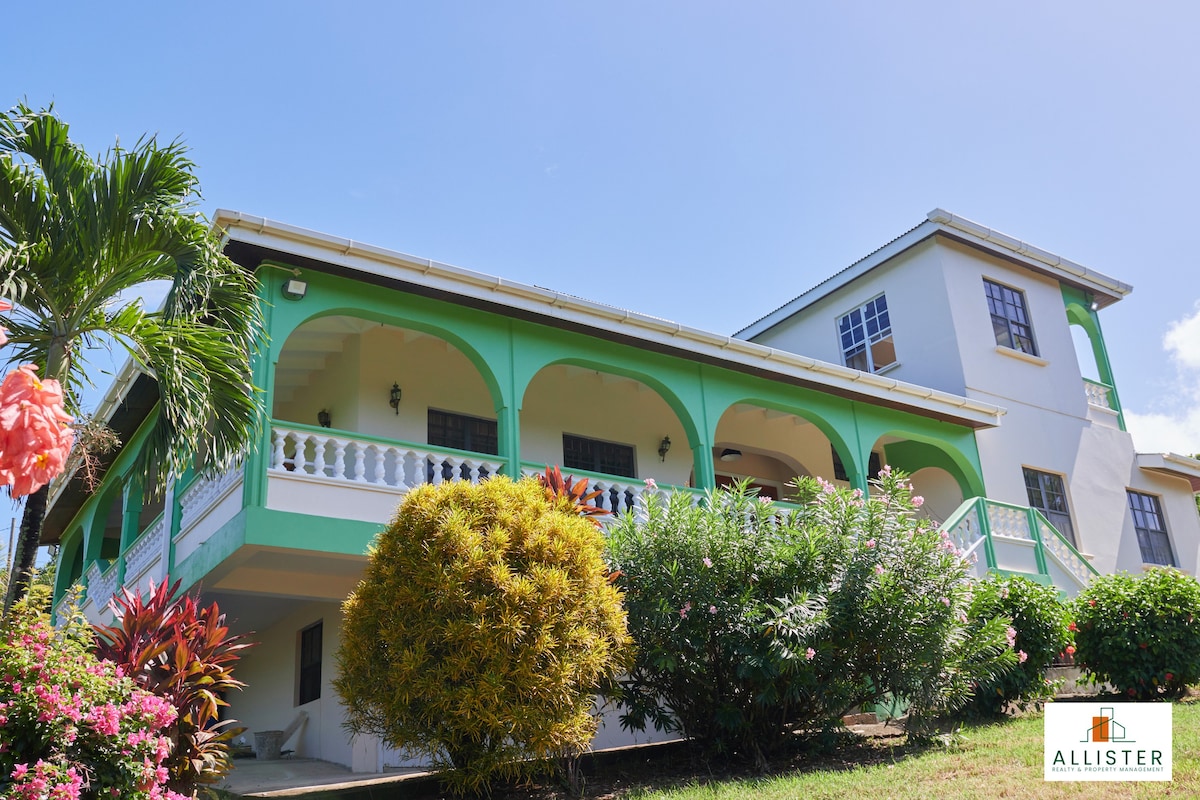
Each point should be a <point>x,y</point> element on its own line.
<point>1047,494</point>
<point>866,336</point>
<point>1010,320</point>
<point>1151,529</point>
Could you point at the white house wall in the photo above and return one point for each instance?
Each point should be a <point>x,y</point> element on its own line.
<point>271,669</point>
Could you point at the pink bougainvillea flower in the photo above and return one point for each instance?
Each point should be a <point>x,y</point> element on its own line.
<point>869,543</point>
<point>712,609</point>
<point>651,484</point>
<point>1011,635</point>
<point>708,562</point>
<point>879,569</point>
<point>810,654</point>
<point>918,501</point>
<point>1022,656</point>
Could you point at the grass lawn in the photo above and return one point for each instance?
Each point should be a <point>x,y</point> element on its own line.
<point>992,761</point>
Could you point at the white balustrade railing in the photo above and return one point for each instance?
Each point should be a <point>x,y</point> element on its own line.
<point>967,533</point>
<point>145,549</point>
<point>356,461</point>
<point>1008,521</point>
<point>1098,394</point>
<point>203,493</point>
<point>101,585</point>
<point>1066,555</point>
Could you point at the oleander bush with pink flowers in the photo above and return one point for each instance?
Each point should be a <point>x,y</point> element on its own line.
<point>72,726</point>
<point>753,622</point>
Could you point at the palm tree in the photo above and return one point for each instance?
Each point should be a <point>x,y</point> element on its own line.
<point>79,238</point>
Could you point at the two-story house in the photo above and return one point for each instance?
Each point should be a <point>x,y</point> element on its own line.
<point>947,354</point>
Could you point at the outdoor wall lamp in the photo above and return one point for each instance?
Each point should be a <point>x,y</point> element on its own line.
<point>663,447</point>
<point>324,419</point>
<point>294,289</point>
<point>394,398</point>
<point>729,454</point>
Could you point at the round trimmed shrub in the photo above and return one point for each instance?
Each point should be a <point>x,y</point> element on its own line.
<point>1141,635</point>
<point>1039,620</point>
<point>483,628</point>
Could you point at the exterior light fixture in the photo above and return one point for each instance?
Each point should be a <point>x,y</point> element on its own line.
<point>324,418</point>
<point>294,289</point>
<point>729,454</point>
<point>663,447</point>
<point>394,398</point>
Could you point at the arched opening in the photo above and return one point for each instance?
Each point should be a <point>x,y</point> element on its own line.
<point>608,427</point>
<point>770,447</point>
<point>941,475</point>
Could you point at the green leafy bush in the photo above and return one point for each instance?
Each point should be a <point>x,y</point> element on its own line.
<point>1141,635</point>
<point>70,725</point>
<point>1039,620</point>
<point>181,651</point>
<point>750,622</point>
<point>483,628</point>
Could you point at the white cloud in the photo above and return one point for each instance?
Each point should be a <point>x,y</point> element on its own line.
<point>1175,427</point>
<point>1182,341</point>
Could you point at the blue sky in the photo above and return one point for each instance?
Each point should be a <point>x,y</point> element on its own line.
<point>699,161</point>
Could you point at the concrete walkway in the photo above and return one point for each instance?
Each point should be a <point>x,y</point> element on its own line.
<point>312,778</point>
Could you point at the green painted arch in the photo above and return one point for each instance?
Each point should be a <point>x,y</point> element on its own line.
<point>673,400</point>
<point>397,320</point>
<point>70,563</point>
<point>823,422</point>
<point>918,451</point>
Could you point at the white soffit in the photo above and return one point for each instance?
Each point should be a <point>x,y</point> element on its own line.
<point>1172,464</point>
<point>396,266</point>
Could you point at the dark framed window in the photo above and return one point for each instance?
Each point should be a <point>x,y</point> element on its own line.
<point>1010,320</point>
<point>1047,494</point>
<point>309,688</point>
<point>1151,529</point>
<point>447,429</point>
<point>874,464</point>
<point>866,336</point>
<point>580,452</point>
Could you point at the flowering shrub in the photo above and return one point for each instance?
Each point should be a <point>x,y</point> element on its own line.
<point>1039,633</point>
<point>35,432</point>
<point>1141,635</point>
<point>750,621</point>
<point>898,604</point>
<point>483,628</point>
<point>71,726</point>
<point>182,652</point>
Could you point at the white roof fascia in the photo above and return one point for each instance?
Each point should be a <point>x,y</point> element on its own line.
<point>1107,290</point>
<point>1070,271</point>
<point>396,266</point>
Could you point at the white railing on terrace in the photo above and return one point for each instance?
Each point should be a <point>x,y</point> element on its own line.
<point>1098,394</point>
<point>145,549</point>
<point>359,460</point>
<point>101,585</point>
<point>980,523</point>
<point>203,493</point>
<point>616,494</point>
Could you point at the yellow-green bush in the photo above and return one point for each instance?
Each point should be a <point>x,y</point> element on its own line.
<point>482,630</point>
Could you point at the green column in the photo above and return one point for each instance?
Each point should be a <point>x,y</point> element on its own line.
<point>131,510</point>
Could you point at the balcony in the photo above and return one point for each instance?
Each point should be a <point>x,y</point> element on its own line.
<point>1019,540</point>
<point>1102,404</point>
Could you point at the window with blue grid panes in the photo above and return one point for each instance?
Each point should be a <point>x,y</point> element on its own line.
<point>866,336</point>
<point>1010,320</point>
